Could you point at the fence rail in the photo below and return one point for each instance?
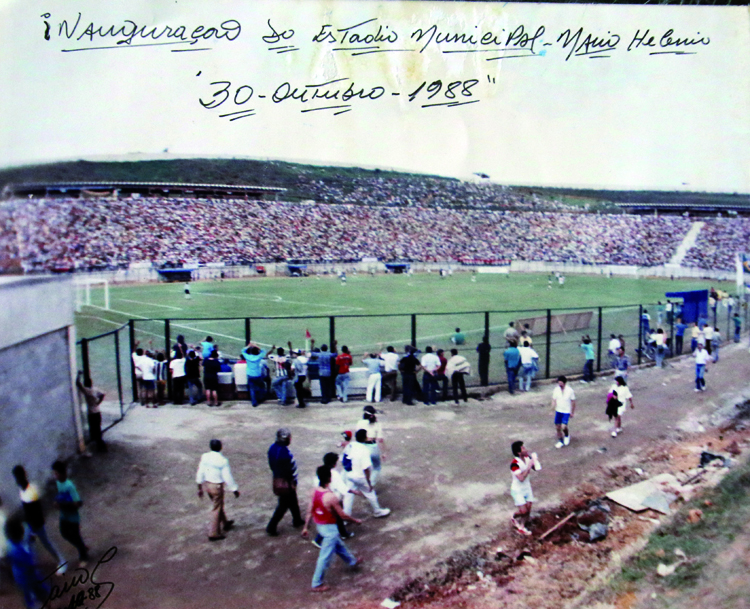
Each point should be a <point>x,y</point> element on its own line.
<point>556,336</point>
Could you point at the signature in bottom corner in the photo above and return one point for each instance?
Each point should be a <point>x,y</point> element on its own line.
<point>84,590</point>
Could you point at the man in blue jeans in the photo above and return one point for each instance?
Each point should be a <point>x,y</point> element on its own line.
<point>325,372</point>
<point>512,358</point>
<point>254,357</point>
<point>323,509</point>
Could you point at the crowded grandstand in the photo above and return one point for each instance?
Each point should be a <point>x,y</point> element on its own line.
<point>409,218</point>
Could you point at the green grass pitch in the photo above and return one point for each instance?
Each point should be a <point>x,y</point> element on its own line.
<point>442,304</point>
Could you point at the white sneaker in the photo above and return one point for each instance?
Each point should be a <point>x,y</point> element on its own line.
<point>614,434</point>
<point>619,430</point>
<point>696,390</point>
<point>382,513</point>
<point>559,444</point>
<point>566,440</point>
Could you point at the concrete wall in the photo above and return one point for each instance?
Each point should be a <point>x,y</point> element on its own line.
<point>37,406</point>
<point>144,275</point>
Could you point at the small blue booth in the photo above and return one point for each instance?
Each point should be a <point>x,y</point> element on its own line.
<point>695,305</point>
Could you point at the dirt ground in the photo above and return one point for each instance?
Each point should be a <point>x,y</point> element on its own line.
<point>446,479</point>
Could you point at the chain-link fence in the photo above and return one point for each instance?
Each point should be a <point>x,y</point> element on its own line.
<point>105,360</point>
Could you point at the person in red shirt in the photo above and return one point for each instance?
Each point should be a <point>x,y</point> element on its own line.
<point>440,376</point>
<point>323,509</point>
<point>343,361</point>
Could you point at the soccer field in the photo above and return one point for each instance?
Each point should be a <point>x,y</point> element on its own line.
<point>371,312</point>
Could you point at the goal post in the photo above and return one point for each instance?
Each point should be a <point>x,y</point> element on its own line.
<point>83,293</point>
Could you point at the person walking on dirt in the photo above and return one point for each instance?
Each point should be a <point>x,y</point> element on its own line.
<point>33,515</point>
<point>617,403</point>
<point>68,501</point>
<point>520,487</point>
<point>375,441</point>
<point>701,361</point>
<point>213,475</point>
<point>564,403</point>
<point>358,467</point>
<point>324,508</point>
<point>621,364</point>
<point>284,470</point>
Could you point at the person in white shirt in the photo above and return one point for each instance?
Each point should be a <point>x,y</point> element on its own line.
<point>520,486</point>
<point>358,466</point>
<point>147,366</point>
<point>374,364</point>
<point>616,407</point>
<point>527,365</point>
<point>136,357</point>
<point>612,349</point>
<point>701,361</point>
<point>564,403</point>
<point>213,475</point>
<point>456,369</point>
<point>708,334</point>
<point>177,369</point>
<point>430,363</point>
<point>390,370</point>
<point>375,441</point>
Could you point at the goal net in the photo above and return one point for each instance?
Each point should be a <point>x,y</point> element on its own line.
<point>91,292</point>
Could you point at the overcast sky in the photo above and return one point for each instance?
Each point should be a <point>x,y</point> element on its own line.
<point>532,110</point>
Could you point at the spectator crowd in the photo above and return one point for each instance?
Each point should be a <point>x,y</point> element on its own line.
<point>68,233</point>
<point>718,242</point>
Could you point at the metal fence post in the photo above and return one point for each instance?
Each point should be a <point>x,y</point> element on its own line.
<point>487,325</point>
<point>131,330</point>
<point>549,345</point>
<point>85,359</point>
<point>247,330</point>
<point>599,343</point>
<point>413,329</point>
<point>639,350</point>
<point>332,331</point>
<point>671,333</point>
<point>167,350</point>
<point>119,373</point>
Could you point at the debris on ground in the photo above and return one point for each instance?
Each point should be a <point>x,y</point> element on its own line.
<point>650,493</point>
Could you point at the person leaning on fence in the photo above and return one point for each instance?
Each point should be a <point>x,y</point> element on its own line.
<point>93,398</point>
<point>177,372</point>
<point>440,376</point>
<point>299,363</point>
<point>512,359</point>
<point>529,365</point>
<point>254,357</point>
<point>160,371</point>
<point>390,370</point>
<point>457,369</point>
<point>374,376</point>
<point>737,319</point>
<point>588,366</point>
<point>483,349</point>
<point>193,378</point>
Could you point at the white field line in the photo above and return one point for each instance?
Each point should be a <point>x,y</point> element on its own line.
<point>399,341</point>
<point>227,336</point>
<point>333,308</point>
<point>149,304</point>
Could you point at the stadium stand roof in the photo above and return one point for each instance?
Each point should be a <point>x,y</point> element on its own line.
<point>698,209</point>
<point>46,189</point>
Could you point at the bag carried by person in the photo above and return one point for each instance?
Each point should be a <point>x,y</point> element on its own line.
<point>281,486</point>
